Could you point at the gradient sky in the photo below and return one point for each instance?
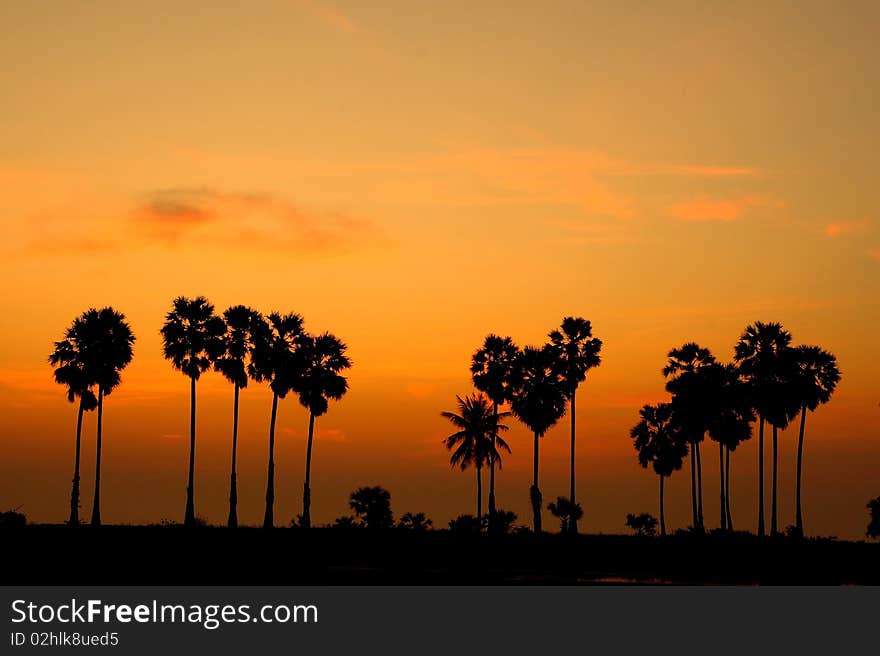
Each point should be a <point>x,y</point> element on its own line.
<point>411,176</point>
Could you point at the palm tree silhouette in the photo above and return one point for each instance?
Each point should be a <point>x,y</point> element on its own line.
<point>275,360</point>
<point>373,506</point>
<point>730,423</point>
<point>477,440</point>
<point>759,354</point>
<point>318,381</point>
<point>192,338</point>
<point>491,370</point>
<point>566,512</point>
<point>539,402</point>
<point>578,352</point>
<point>232,364</point>
<point>69,362</point>
<point>816,378</point>
<point>685,370</point>
<point>660,443</point>
<point>106,346</point>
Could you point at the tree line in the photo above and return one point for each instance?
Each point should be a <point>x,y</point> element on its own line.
<point>241,344</point>
<point>769,381</point>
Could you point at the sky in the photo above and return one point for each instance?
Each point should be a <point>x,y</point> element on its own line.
<point>412,176</point>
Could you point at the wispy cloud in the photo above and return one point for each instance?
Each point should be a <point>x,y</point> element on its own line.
<point>245,220</point>
<point>845,228</point>
<point>329,14</point>
<point>704,208</point>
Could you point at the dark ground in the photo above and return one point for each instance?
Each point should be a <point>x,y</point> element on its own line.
<point>155,555</point>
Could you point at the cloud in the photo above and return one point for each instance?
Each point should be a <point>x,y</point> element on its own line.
<point>704,208</point>
<point>845,228</point>
<point>331,16</point>
<point>244,220</point>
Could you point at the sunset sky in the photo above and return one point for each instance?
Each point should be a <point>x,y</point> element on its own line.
<point>412,176</point>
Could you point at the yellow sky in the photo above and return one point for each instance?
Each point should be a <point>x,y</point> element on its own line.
<point>412,176</point>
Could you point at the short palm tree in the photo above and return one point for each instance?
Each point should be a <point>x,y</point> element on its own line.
<point>318,381</point>
<point>69,362</point>
<point>759,353</point>
<point>660,443</point>
<point>816,378</point>
<point>192,338</point>
<point>492,368</point>
<point>684,371</point>
<point>578,352</point>
<point>566,512</point>
<point>232,364</point>
<point>539,402</point>
<point>476,441</point>
<point>107,348</point>
<point>274,360</point>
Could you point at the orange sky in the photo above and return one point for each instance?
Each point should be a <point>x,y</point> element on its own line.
<point>412,176</point>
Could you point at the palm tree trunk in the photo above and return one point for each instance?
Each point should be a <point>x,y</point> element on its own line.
<point>535,492</point>
<point>694,522</point>
<point>268,518</point>
<point>74,491</point>
<point>232,522</point>
<point>727,488</point>
<point>699,488</point>
<point>662,511</point>
<point>773,530</point>
<point>307,492</point>
<point>761,531</point>
<point>799,516</point>
<point>189,518</point>
<point>96,505</point>
<point>722,505</point>
<point>479,496</point>
<point>492,468</point>
<point>572,522</point>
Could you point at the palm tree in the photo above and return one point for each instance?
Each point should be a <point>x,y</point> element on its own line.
<point>477,440</point>
<point>816,378</point>
<point>491,370</point>
<point>539,402</point>
<point>192,338</point>
<point>69,360</point>
<point>106,345</point>
<point>566,512</point>
<point>759,354</point>
<point>685,370</point>
<point>275,360</point>
<point>232,364</point>
<point>317,382</point>
<point>373,506</point>
<point>730,423</point>
<point>578,351</point>
<point>660,443</point>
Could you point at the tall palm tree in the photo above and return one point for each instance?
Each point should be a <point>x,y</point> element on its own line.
<point>816,378</point>
<point>578,352</point>
<point>730,423</point>
<point>274,359</point>
<point>232,364</point>
<point>69,362</point>
<point>759,354</point>
<point>684,371</point>
<point>319,380</point>
<point>192,338</point>
<point>660,443</point>
<point>107,348</point>
<point>476,441</point>
<point>539,402</point>
<point>492,367</point>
